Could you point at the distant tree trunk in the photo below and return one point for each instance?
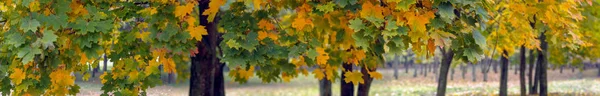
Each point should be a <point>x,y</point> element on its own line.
<point>561,69</point>
<point>536,79</point>
<point>531,66</point>
<point>451,74</point>
<point>572,68</point>
<point>464,70</point>
<point>442,80</point>
<point>474,73</point>
<point>516,69</point>
<point>395,65</point>
<point>415,69</point>
<point>347,89</point>
<point>495,66</point>
<point>543,65</point>
<point>170,78</point>
<point>503,74</point>
<point>324,87</point>
<point>522,72</point>
<point>405,64</point>
<point>425,68</point>
<point>363,89</point>
<point>598,66</point>
<point>105,63</point>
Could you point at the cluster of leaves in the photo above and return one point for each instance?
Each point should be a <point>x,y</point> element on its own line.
<point>44,42</point>
<point>282,39</point>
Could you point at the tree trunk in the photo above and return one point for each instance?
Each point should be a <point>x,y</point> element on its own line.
<point>105,63</point>
<point>425,70</point>
<point>451,74</point>
<point>473,72</point>
<point>516,69</point>
<point>543,65</point>
<point>522,72</point>
<point>347,88</point>
<point>446,61</point>
<point>406,64</point>
<point>415,69</point>
<point>561,69</point>
<point>95,70</point>
<point>495,66</point>
<point>205,63</point>
<point>219,87</point>
<point>324,87</point>
<point>598,66</point>
<point>464,70</point>
<point>170,78</point>
<point>363,89</point>
<point>395,65</point>
<point>536,79</point>
<point>503,74</point>
<point>531,66</point>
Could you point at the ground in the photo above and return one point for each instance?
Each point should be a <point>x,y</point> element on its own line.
<point>568,82</point>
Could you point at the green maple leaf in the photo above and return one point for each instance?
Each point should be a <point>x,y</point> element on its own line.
<point>27,54</point>
<point>48,39</point>
<point>29,25</point>
<point>356,24</point>
<point>479,39</point>
<point>446,11</point>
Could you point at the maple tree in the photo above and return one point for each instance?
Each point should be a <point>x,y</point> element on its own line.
<point>45,41</point>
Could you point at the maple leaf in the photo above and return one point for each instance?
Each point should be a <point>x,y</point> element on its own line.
<point>62,78</point>
<point>262,35</point>
<point>431,46</point>
<point>354,77</point>
<point>197,32</point>
<point>102,77</point>
<point>300,22</point>
<point>322,57</point>
<point>148,11</point>
<point>182,11</point>
<point>169,65</point>
<point>266,25</point>
<point>77,9</point>
<point>369,9</point>
<point>191,21</point>
<point>286,77</point>
<point>318,74</point>
<point>376,75</point>
<point>213,8</point>
<point>143,35</point>
<point>34,6</point>
<point>17,76</point>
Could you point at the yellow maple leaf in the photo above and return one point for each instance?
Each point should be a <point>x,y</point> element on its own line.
<point>102,77</point>
<point>286,77</point>
<point>191,21</point>
<point>318,74</point>
<point>77,9</point>
<point>182,10</point>
<point>148,11</point>
<point>322,57</point>
<point>369,9</point>
<point>169,65</point>
<point>213,8</point>
<point>266,25</point>
<point>133,75</point>
<point>62,78</point>
<point>354,77</point>
<point>143,35</point>
<point>376,75</point>
<point>262,35</point>
<point>197,32</point>
<point>301,22</point>
<point>357,55</point>
<point>17,76</point>
<point>34,6</point>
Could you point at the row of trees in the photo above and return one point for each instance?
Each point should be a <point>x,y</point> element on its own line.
<point>276,40</point>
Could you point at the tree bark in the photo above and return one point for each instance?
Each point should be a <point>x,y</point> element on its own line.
<point>324,87</point>
<point>474,74</point>
<point>415,69</point>
<point>531,66</point>
<point>598,66</point>
<point>105,63</point>
<point>170,78</point>
<point>363,89</point>
<point>219,87</point>
<point>464,70</point>
<point>347,89</point>
<point>522,72</point>
<point>446,61</point>
<point>205,63</point>
<point>503,74</point>
<point>495,66</point>
<point>451,74</point>
<point>405,64</point>
<point>543,65</point>
<point>425,70</point>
